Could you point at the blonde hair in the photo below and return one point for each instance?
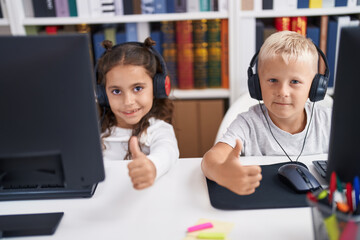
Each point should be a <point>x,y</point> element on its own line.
<point>291,46</point>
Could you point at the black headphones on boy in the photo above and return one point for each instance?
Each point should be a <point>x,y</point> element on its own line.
<point>317,90</point>
<point>161,81</point>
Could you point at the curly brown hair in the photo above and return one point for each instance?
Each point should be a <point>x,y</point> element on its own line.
<point>137,54</point>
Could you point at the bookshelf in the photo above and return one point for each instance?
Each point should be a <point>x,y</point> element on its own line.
<point>242,35</point>
<point>242,39</point>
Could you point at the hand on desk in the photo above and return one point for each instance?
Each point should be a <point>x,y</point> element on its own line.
<point>142,170</point>
<point>230,173</point>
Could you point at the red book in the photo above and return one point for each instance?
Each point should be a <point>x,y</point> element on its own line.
<point>185,54</point>
<point>282,23</point>
<point>224,53</point>
<point>298,24</point>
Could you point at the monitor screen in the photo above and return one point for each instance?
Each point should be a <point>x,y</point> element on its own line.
<point>344,154</point>
<point>49,133</point>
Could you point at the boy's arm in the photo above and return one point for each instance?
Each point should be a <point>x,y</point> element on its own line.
<point>222,165</point>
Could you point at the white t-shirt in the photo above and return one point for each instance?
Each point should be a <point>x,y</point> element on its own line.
<point>253,131</point>
<point>158,143</point>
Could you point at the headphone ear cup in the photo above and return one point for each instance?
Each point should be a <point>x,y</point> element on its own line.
<point>318,88</point>
<point>161,86</point>
<point>254,85</point>
<point>101,96</point>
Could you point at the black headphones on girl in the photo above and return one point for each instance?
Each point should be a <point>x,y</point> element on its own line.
<point>317,90</point>
<point>161,81</point>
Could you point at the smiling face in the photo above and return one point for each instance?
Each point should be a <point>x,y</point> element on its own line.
<point>130,92</point>
<point>285,89</point>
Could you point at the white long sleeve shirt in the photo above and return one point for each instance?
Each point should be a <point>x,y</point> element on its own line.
<point>158,143</point>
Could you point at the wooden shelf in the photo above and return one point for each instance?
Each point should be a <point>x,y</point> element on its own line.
<point>125,18</point>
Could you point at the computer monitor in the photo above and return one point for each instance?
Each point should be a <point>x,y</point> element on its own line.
<point>49,134</point>
<point>344,153</point>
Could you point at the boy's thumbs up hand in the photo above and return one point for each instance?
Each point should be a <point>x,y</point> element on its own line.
<point>142,171</point>
<point>238,178</point>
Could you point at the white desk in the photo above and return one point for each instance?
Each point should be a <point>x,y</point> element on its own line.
<point>165,210</point>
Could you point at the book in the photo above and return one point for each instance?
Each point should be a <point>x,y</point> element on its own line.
<point>351,3</point>
<point>119,9</point>
<point>313,32</point>
<point>72,8</point>
<point>32,30</point>
<point>180,6</point>
<point>214,5</point>
<point>110,33</point>
<point>284,4</point>
<point>128,7</point>
<point>147,6</point>
<point>298,24</point>
<point>169,50</point>
<point>102,8</point>
<point>200,40</point>
<point>160,6</point>
<point>303,4</point>
<point>223,5</point>
<point>192,6</point>
<point>259,34</point>
<point>247,5</point>
<point>185,55</point>
<point>1,15</point>
<point>62,8</point>
<point>214,49</point>
<point>143,31</point>
<point>51,30</point>
<point>97,38</point>
<point>204,5</point>
<point>315,3</point>
<point>83,8</point>
<point>170,6</point>
<point>156,35</point>
<point>44,8</point>
<point>120,33</point>
<point>131,32</point>
<point>328,3</point>
<point>324,20</point>
<point>136,6</point>
<point>283,23</point>
<point>224,31</point>
<point>341,3</point>
<point>267,4</point>
<point>28,8</point>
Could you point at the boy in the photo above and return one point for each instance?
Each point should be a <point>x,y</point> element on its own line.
<point>287,65</point>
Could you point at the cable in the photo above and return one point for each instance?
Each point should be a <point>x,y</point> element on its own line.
<point>307,130</point>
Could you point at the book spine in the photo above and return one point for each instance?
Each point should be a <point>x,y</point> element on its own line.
<point>214,51</point>
<point>62,8</point>
<point>170,6</point>
<point>147,6</point>
<point>169,51</point>
<point>298,24</point>
<point>110,33</point>
<point>315,3</point>
<point>284,4</point>
<point>120,33</point>
<point>224,53</point>
<point>283,23</point>
<point>313,32</point>
<point>119,9</point>
<point>328,3</point>
<point>97,38</point>
<point>95,8</point>
<point>136,6</point>
<point>156,35</point>
<point>72,8</point>
<point>204,5</point>
<point>131,32</point>
<point>351,3</point>
<point>160,6</point>
<point>303,4</point>
<point>128,7</point>
<point>267,4</point>
<point>180,6</point>
<point>247,5</point>
<point>1,14</point>
<point>341,3</point>
<point>193,6</point>
<point>83,8</point>
<point>28,8</point>
<point>44,8</point>
<point>223,5</point>
<point>324,20</point>
<point>200,53</point>
<point>185,54</point>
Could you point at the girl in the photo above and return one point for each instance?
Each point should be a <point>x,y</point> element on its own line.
<point>136,115</point>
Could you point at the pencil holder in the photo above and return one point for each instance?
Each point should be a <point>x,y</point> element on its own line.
<point>331,224</point>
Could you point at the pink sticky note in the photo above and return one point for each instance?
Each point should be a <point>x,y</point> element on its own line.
<point>200,227</point>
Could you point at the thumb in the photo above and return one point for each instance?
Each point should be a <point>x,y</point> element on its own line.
<point>134,147</point>
<point>235,153</point>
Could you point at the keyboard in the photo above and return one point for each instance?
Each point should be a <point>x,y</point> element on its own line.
<point>321,167</point>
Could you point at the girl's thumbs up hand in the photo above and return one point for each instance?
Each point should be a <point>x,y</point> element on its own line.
<point>142,170</point>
